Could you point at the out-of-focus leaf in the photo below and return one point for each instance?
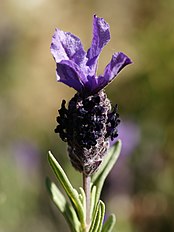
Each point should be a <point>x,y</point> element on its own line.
<point>109,224</point>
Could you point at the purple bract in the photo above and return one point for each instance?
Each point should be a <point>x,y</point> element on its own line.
<point>77,68</point>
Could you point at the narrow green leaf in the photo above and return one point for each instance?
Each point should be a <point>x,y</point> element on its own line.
<point>99,178</point>
<point>70,191</point>
<point>97,221</point>
<point>109,224</point>
<point>83,200</point>
<point>65,208</point>
<point>93,220</point>
<point>98,217</point>
<point>102,208</point>
<point>93,198</point>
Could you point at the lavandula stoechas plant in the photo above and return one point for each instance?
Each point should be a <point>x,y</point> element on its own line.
<point>88,123</point>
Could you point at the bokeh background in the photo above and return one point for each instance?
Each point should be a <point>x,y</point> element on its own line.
<point>140,188</point>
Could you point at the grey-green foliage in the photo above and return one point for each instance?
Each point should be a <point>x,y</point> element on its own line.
<point>74,211</point>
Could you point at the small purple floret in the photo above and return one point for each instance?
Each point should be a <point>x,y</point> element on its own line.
<point>77,68</point>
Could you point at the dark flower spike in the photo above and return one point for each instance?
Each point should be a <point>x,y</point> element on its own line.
<point>76,68</point>
<point>88,123</point>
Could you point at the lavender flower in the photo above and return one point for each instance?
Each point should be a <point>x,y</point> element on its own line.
<point>89,122</point>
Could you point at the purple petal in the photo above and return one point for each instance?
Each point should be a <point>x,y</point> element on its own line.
<point>101,37</point>
<point>118,62</point>
<point>66,46</point>
<point>70,74</point>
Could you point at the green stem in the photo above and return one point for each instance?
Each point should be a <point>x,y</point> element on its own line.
<point>86,187</point>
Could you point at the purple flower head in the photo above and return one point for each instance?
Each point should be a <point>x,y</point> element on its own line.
<point>77,68</point>
<point>89,121</point>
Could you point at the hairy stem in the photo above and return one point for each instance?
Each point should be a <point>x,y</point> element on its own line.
<point>86,187</point>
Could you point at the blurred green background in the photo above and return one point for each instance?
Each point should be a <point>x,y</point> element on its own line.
<point>140,188</point>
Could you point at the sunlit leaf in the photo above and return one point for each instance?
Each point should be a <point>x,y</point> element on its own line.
<point>97,218</point>
<point>102,209</point>
<point>65,208</point>
<point>93,200</point>
<point>83,200</point>
<point>70,191</point>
